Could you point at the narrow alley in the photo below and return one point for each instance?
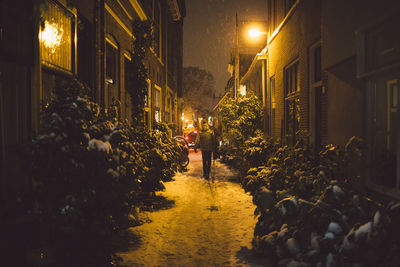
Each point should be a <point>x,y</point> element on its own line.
<point>210,224</point>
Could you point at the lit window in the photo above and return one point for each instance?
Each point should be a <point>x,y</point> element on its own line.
<point>242,89</point>
<point>111,63</point>
<point>147,103</point>
<point>57,37</point>
<point>157,106</point>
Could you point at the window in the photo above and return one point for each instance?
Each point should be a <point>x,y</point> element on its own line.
<point>317,71</point>
<point>127,84</point>
<point>111,86</point>
<point>292,101</point>
<point>57,37</point>
<point>147,110</point>
<point>272,14</point>
<point>316,94</point>
<point>173,105</point>
<point>85,54</point>
<point>168,110</point>
<point>394,95</point>
<point>243,89</point>
<point>111,62</point>
<point>291,79</point>
<point>273,104</point>
<point>146,97</point>
<point>157,104</point>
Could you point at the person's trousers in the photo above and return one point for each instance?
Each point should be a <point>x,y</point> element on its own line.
<point>206,155</point>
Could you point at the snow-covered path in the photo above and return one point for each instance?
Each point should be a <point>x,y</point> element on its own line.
<point>210,224</point>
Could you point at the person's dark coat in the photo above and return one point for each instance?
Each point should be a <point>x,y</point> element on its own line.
<point>206,139</point>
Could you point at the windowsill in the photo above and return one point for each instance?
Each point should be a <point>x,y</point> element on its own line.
<point>56,70</point>
<point>385,191</point>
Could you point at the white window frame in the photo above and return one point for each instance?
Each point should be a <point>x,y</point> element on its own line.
<point>157,108</point>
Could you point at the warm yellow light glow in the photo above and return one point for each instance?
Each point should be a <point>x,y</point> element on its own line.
<point>187,120</point>
<point>52,35</point>
<point>183,118</point>
<point>254,33</point>
<point>243,89</point>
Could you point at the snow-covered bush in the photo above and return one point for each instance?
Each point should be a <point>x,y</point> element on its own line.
<point>258,149</point>
<point>241,119</point>
<point>88,168</point>
<point>311,214</point>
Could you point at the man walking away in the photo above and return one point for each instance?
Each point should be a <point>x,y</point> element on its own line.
<point>206,141</point>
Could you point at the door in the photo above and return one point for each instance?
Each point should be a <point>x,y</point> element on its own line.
<point>384,135</point>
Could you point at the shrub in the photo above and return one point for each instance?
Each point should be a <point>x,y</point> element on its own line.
<point>242,119</point>
<point>311,214</point>
<point>89,167</point>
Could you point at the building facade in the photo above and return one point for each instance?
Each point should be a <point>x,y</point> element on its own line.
<point>91,40</point>
<point>329,71</point>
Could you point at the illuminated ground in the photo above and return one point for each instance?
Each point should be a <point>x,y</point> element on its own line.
<point>210,224</point>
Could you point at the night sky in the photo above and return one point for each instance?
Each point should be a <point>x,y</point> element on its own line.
<point>209,33</point>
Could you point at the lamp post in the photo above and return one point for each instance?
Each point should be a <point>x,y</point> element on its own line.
<point>252,36</point>
<point>236,70</point>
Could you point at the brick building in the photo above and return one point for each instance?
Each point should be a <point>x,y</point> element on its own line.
<point>91,40</point>
<point>330,71</point>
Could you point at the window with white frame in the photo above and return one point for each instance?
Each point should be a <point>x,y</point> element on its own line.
<point>57,35</point>
<point>157,104</point>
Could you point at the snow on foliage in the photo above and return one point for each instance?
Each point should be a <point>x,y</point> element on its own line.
<point>99,145</point>
<point>317,205</point>
<point>72,183</point>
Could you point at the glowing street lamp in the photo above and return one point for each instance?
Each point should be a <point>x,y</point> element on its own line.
<point>255,33</point>
<point>252,34</point>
